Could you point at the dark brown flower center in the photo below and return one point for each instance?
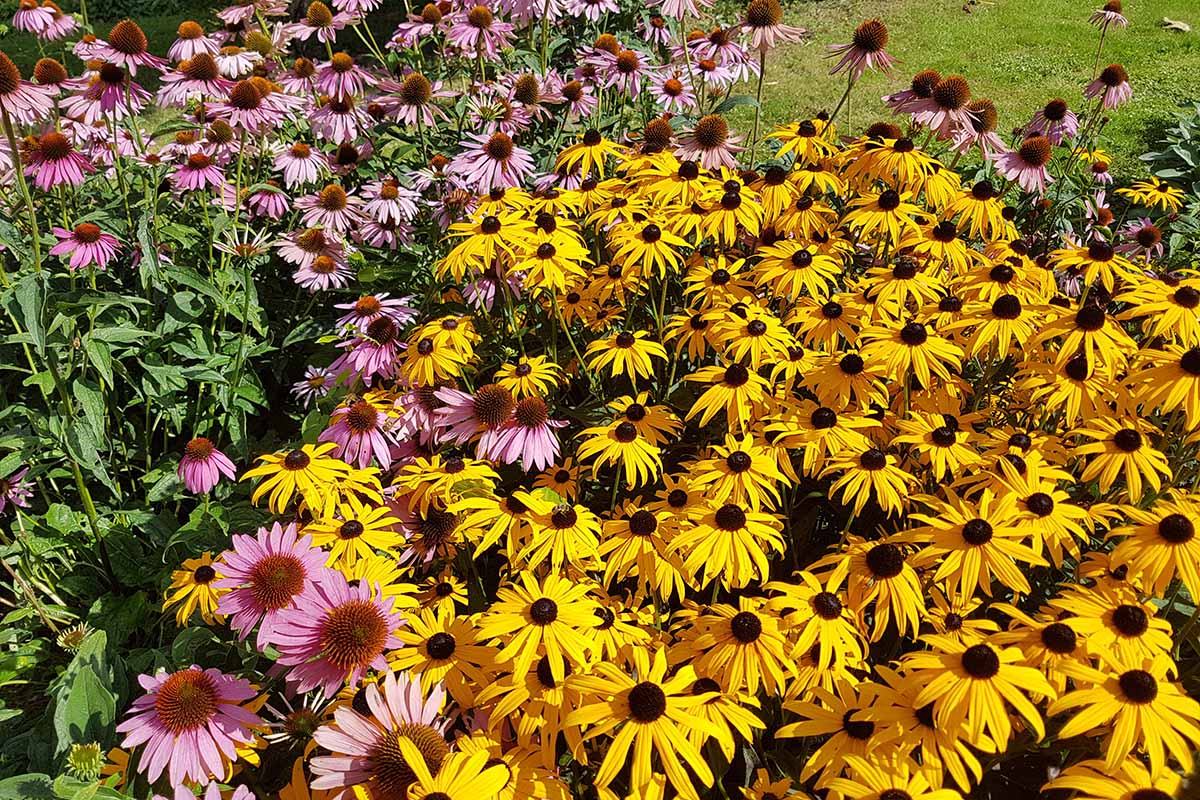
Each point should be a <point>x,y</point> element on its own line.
<point>389,768</point>
<point>275,580</point>
<point>186,700</point>
<point>871,36</point>
<point>712,131</point>
<point>981,662</point>
<point>127,38</point>
<point>647,702</point>
<point>1036,151</point>
<point>952,92</point>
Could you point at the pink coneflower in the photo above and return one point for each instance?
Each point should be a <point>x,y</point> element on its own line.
<point>489,112</point>
<point>710,143</point>
<point>127,47</point>
<point>203,465</point>
<point>316,383</point>
<point>389,202</point>
<point>302,247</point>
<point>109,93</point>
<point>581,100</point>
<point>85,49</point>
<point>921,88</point>
<point>713,75</point>
<point>341,77</point>
<point>980,130</point>
<point>722,47</point>
<point>266,575</point>
<point>370,307</point>
<point>54,162</point>
<point>363,745</point>
<point>411,100</point>
<point>86,244</point>
<point>371,352</point>
<point>246,110</point>
<point>358,8</point>
<point>15,490</point>
<point>191,42</point>
<point>323,273</point>
<point>270,202</point>
<point>591,10</point>
<point>1054,121</point>
<point>461,416</point>
<point>763,21</point>
<point>864,51</point>
<point>335,634</point>
<point>417,27</point>
<point>21,100</point>
<point>324,23</point>
<point>1097,212</point>
<point>301,79</point>
<point>1027,164</point>
<point>190,722</point>
<point>625,71</point>
<point>62,26</point>
<point>475,30</point>
<point>1141,238</point>
<point>32,18</point>
<point>483,292</point>
<point>339,121</point>
<point>678,9</point>
<point>197,76</point>
<point>300,164</point>
<point>1100,174</point>
<point>197,174</point>
<point>1109,15</point>
<point>671,93</point>
<point>655,31</point>
<point>362,433</point>
<point>528,437</point>
<point>945,111</point>
<point>491,162</point>
<point>391,235</point>
<point>237,62</point>
<point>331,208</point>
<point>1112,87</point>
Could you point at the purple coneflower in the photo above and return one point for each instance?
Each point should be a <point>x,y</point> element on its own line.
<point>1141,238</point>
<point>528,437</point>
<point>921,88</point>
<point>197,174</point>
<point>86,245</point>
<point>1100,173</point>
<point>320,20</point>
<point>489,112</point>
<point>591,10</point>
<point>363,744</point>
<point>62,26</point>
<point>335,634</point>
<point>331,208</point>
<point>236,62</point>
<point>1111,86</point>
<point>581,100</point>
<point>362,433</point>
<point>270,202</point>
<point>190,722</point>
<point>671,93</point>
<point>710,143</point>
<point>1109,15</point>
<point>339,121</point>
<point>370,307</point>
<point>191,42</point>
<point>980,129</point>
<point>864,51</point>
<point>203,465</point>
<point>654,30</point>
<point>341,77</point>
<point>462,416</point>
<point>476,31</point>
<point>945,110</point>
<point>300,164</point>
<point>417,27</point>
<point>31,17</point>
<point>21,100</point>
<point>410,100</point>
<point>110,93</point>
<point>763,20</point>
<point>15,490</point>
<point>391,235</point>
<point>246,110</point>
<point>1054,121</point>
<point>128,48</point>
<point>49,72</point>
<point>302,247</point>
<point>195,77</point>
<point>316,383</point>
<point>625,71</point>
<point>323,273</point>
<point>491,162</point>
<point>678,9</point>
<point>54,162</point>
<point>266,575</point>
<point>1027,164</point>
<point>389,202</point>
<point>301,79</point>
<point>371,352</point>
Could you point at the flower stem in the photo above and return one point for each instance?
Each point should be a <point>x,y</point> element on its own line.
<point>15,154</point>
<point>762,71</point>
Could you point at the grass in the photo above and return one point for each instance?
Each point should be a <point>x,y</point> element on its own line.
<point>1019,53</point>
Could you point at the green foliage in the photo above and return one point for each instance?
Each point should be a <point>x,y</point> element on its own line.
<point>1176,158</point>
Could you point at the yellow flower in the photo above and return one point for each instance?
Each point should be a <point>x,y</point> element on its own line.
<point>192,588</point>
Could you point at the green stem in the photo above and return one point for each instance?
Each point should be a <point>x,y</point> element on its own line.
<point>15,154</point>
<point>762,71</point>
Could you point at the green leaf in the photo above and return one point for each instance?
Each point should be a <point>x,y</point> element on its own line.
<point>87,713</point>
<point>94,411</point>
<point>188,643</point>
<point>100,357</point>
<point>30,294</point>
<point>33,786</point>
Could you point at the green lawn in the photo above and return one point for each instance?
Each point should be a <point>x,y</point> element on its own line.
<point>1019,53</point>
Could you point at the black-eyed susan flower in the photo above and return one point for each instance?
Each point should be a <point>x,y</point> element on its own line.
<point>626,353</point>
<point>1048,643</point>
<point>893,778</point>
<point>1114,622</point>
<point>885,216</point>
<point>730,542</point>
<point>1095,260</point>
<point>1155,193</point>
<point>655,709</point>
<point>844,380</point>
<point>740,471</point>
<point>309,471</point>
<point>869,474</point>
<point>1160,545</point>
<point>562,479</point>
<point>357,532</point>
<point>818,616</point>
<point>441,649</point>
<point>741,647</point>
<point>1121,448</point>
<point>563,534</point>
<point>942,444</point>
<point>621,444</point>
<point>878,576</point>
<point>911,348</point>
<point>734,389</point>
<point>637,544</point>
<point>981,210</point>
<point>1094,779</point>
<point>790,268</point>
<point>729,717</point>
<point>589,154</point>
<point>530,376</point>
<point>192,588</point>
<point>648,246</point>
<point>531,616</point>
<point>1143,708</point>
